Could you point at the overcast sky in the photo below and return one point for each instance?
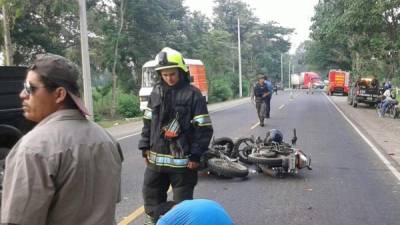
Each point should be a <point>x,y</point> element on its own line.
<point>288,13</point>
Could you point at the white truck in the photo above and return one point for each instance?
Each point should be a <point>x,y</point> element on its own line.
<point>294,81</point>
<point>150,78</point>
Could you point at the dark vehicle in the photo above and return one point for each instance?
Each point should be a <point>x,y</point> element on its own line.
<point>12,123</point>
<point>364,90</point>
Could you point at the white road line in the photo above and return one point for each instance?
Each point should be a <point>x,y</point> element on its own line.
<point>127,136</point>
<point>255,125</point>
<point>281,107</point>
<point>375,149</point>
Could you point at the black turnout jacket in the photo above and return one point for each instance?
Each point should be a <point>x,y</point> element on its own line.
<point>164,104</point>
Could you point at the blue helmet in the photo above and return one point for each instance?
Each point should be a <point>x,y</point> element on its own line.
<point>274,135</point>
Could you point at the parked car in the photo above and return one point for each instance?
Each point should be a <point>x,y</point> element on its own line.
<point>363,91</point>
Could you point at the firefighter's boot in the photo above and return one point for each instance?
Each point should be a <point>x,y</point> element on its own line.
<point>148,220</point>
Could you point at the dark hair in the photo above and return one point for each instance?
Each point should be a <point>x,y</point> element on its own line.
<point>52,86</point>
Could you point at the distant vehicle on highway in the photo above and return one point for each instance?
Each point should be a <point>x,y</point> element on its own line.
<point>310,77</point>
<point>319,84</point>
<point>338,82</point>
<point>362,91</point>
<point>295,81</point>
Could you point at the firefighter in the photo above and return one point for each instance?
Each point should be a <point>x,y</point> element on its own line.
<point>177,130</point>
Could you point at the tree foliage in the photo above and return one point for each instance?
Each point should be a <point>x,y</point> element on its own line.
<point>148,26</point>
<point>361,36</point>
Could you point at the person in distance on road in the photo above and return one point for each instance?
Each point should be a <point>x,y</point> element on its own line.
<point>260,96</point>
<point>176,132</point>
<point>67,169</point>
<point>268,97</point>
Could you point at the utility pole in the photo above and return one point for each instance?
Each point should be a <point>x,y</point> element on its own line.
<point>87,82</point>
<point>289,72</point>
<point>281,70</point>
<point>8,50</point>
<point>240,62</point>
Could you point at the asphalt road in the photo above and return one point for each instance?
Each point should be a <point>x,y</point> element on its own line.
<point>349,185</point>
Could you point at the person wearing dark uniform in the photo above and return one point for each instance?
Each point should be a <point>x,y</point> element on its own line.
<point>176,132</point>
<point>260,95</point>
<point>268,97</point>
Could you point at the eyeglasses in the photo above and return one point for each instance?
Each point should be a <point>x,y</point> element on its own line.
<point>30,89</point>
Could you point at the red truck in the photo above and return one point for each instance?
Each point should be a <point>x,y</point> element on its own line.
<point>338,82</point>
<point>311,77</point>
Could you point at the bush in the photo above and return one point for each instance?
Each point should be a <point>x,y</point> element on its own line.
<point>220,89</point>
<point>101,104</point>
<point>128,105</point>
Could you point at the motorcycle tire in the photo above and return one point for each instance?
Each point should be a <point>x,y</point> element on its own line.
<point>392,112</point>
<point>242,149</point>
<point>224,141</point>
<point>260,158</point>
<point>224,168</point>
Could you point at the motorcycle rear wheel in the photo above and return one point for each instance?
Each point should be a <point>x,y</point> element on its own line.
<point>224,168</point>
<point>392,112</point>
<point>265,159</point>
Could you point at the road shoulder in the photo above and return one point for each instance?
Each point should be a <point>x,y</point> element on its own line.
<point>383,132</point>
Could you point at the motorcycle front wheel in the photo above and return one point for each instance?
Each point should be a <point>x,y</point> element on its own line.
<point>242,148</point>
<point>225,142</point>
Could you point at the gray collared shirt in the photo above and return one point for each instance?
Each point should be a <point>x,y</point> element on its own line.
<point>66,171</point>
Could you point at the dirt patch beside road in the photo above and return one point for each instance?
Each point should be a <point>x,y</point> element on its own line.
<point>384,132</point>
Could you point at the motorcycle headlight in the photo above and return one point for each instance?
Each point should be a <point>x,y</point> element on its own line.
<point>302,160</point>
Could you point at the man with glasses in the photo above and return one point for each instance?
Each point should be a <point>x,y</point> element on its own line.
<point>67,170</point>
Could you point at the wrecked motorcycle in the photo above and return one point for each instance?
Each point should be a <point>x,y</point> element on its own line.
<point>272,155</point>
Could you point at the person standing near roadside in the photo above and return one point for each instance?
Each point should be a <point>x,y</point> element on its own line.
<point>67,169</point>
<point>260,96</point>
<point>268,97</point>
<point>176,132</point>
<point>310,88</point>
<point>390,97</point>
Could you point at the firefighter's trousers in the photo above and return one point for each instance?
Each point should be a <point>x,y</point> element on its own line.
<point>156,184</point>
